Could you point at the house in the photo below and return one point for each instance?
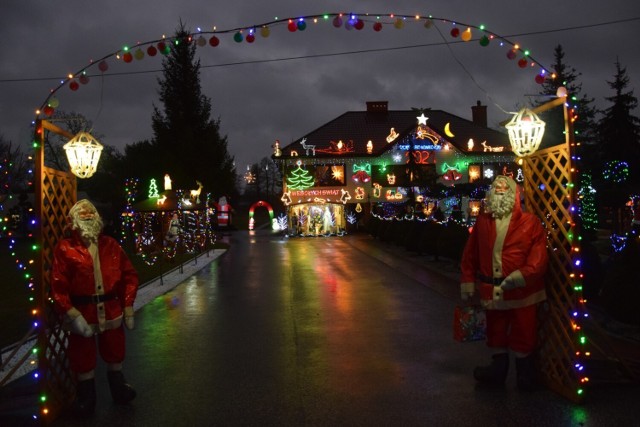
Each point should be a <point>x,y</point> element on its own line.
<point>389,163</point>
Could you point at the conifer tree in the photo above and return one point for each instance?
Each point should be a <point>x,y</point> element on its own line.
<point>188,141</point>
<point>619,130</point>
<point>584,127</point>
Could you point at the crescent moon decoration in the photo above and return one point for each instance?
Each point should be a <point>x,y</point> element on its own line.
<point>447,130</point>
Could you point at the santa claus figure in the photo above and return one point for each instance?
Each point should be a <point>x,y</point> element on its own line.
<point>224,213</point>
<point>505,260</point>
<point>94,285</point>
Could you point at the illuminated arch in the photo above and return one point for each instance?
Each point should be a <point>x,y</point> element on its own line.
<point>458,32</point>
<point>259,204</point>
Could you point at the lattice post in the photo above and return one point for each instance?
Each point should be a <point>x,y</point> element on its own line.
<point>550,175</point>
<point>55,192</point>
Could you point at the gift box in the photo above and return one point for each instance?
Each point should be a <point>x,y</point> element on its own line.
<point>469,323</point>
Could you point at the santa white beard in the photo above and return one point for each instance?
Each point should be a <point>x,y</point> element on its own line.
<point>88,228</point>
<point>500,205</point>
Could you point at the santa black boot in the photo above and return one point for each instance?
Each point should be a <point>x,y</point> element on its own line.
<point>526,373</point>
<point>85,403</point>
<point>496,372</point>
<point>121,392</point>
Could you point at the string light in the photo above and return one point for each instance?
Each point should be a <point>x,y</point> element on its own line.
<point>294,24</point>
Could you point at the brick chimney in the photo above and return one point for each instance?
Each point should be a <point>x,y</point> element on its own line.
<point>479,114</point>
<point>377,106</point>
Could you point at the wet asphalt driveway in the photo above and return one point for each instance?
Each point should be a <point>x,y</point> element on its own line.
<point>320,332</point>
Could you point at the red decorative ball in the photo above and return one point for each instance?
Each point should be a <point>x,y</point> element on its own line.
<point>293,27</point>
<point>359,24</point>
<point>250,38</point>
<point>48,110</point>
<point>522,63</point>
<point>103,66</point>
<point>84,79</point>
<point>337,22</point>
<point>127,57</point>
<point>73,85</point>
<point>214,41</point>
<point>511,54</point>
<point>455,32</point>
<point>152,51</point>
<point>377,26</point>
<point>540,79</point>
<point>162,46</point>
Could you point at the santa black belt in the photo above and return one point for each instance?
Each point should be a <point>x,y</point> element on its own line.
<point>493,280</point>
<point>92,299</point>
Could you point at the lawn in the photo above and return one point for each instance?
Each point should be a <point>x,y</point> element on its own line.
<point>15,305</point>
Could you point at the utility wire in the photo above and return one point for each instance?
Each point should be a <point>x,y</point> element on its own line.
<point>325,55</point>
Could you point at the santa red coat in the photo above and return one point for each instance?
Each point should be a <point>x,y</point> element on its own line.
<point>73,275</point>
<point>524,249</point>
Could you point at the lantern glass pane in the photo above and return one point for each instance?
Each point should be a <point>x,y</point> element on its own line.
<point>525,132</point>
<point>83,153</point>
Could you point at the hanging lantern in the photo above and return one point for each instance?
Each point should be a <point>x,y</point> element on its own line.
<point>525,132</point>
<point>83,152</point>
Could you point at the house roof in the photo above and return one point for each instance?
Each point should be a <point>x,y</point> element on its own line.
<point>356,128</point>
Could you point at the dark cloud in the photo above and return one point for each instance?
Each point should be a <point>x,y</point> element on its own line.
<point>284,99</point>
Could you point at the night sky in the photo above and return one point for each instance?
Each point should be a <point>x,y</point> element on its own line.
<point>260,94</point>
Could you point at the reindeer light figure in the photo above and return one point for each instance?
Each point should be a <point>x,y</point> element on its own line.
<point>308,147</point>
<point>195,194</point>
<point>490,148</point>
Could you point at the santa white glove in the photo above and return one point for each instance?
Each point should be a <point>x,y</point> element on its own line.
<point>128,318</point>
<point>512,281</point>
<point>80,326</point>
<point>467,290</point>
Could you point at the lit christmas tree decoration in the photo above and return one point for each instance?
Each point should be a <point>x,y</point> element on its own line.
<point>153,188</point>
<point>299,179</point>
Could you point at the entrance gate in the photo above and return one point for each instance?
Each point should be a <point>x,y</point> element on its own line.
<point>551,169</point>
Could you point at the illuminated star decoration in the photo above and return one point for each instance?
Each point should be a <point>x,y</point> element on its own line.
<point>336,173</point>
<point>422,119</point>
<point>345,196</point>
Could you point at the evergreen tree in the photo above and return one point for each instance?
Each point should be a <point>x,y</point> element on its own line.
<point>188,142</point>
<point>14,169</point>
<point>619,130</point>
<point>584,126</point>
